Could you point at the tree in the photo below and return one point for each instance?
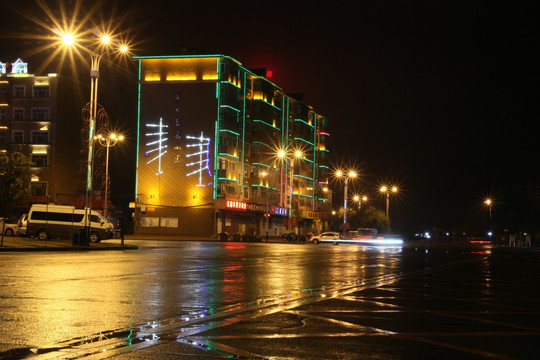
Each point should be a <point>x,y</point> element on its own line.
<point>367,216</point>
<point>14,181</point>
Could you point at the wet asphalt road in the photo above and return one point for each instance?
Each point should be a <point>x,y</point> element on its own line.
<point>186,299</point>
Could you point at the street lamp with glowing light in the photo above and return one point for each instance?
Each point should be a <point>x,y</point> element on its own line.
<point>107,140</point>
<point>95,56</point>
<point>489,203</point>
<point>351,175</point>
<point>295,155</point>
<point>387,191</point>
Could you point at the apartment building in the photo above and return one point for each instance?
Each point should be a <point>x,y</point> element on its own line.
<point>210,132</point>
<point>28,109</point>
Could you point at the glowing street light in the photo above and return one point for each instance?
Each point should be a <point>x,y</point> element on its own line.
<point>358,199</point>
<point>489,203</point>
<point>104,42</point>
<point>108,141</point>
<point>351,175</point>
<point>68,39</point>
<point>296,155</point>
<point>388,190</point>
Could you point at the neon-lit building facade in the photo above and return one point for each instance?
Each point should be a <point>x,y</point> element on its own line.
<point>209,131</point>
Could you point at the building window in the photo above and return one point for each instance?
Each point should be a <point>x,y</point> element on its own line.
<point>18,91</point>
<point>18,114</point>
<point>39,189</point>
<point>19,67</point>
<point>40,114</point>
<point>3,114</point>
<point>41,91</point>
<point>40,137</point>
<point>18,136</point>
<point>40,160</point>
<point>2,140</point>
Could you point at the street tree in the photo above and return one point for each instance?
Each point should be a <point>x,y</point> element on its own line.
<point>15,177</point>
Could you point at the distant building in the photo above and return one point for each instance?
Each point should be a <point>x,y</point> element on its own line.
<point>28,111</point>
<point>209,131</point>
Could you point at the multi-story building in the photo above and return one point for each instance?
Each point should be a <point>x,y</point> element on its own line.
<point>209,134</point>
<point>28,108</point>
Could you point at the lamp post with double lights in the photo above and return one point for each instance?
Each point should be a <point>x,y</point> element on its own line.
<point>105,42</point>
<point>350,175</point>
<point>489,203</point>
<point>296,155</point>
<point>267,212</point>
<point>387,190</point>
<point>107,140</point>
<point>358,199</point>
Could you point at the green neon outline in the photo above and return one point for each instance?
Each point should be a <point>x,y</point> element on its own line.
<point>229,131</point>
<point>243,139</point>
<point>305,122</point>
<point>265,123</point>
<point>304,140</point>
<point>138,130</point>
<point>216,132</point>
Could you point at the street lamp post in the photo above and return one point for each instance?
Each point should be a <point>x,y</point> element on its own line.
<point>351,174</point>
<point>95,58</point>
<point>290,161</point>
<point>489,204</point>
<point>267,212</point>
<point>108,140</point>
<point>358,199</point>
<point>387,191</point>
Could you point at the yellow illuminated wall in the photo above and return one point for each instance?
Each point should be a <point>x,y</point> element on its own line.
<point>180,69</point>
<point>178,111</point>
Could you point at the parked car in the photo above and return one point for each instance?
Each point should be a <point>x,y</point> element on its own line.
<point>10,228</point>
<point>293,237</point>
<point>50,221</point>
<point>21,225</point>
<point>328,236</point>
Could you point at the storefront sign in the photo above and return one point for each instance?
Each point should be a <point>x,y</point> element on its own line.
<point>235,204</point>
<point>310,214</point>
<point>279,211</point>
<point>240,205</point>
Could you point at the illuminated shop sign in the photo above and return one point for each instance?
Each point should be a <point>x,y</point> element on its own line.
<point>240,205</point>
<point>234,204</point>
<point>310,214</point>
<point>279,211</point>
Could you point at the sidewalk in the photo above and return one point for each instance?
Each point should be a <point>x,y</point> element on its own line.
<point>18,243</point>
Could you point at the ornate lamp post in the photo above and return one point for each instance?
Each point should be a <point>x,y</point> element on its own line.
<point>107,140</point>
<point>282,154</point>
<point>95,58</point>
<point>359,198</point>
<point>489,203</point>
<point>387,191</point>
<point>351,174</point>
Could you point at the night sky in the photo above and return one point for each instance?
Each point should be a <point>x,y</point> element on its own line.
<point>436,97</point>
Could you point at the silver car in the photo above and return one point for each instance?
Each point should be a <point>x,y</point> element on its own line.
<point>8,227</point>
<point>21,225</point>
<point>328,236</point>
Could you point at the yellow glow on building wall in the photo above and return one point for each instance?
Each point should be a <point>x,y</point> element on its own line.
<point>181,77</point>
<point>39,150</point>
<point>152,77</point>
<point>180,69</point>
<point>210,76</point>
<point>41,81</point>
<point>259,95</point>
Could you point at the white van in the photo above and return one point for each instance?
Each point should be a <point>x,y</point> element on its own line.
<point>46,221</point>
